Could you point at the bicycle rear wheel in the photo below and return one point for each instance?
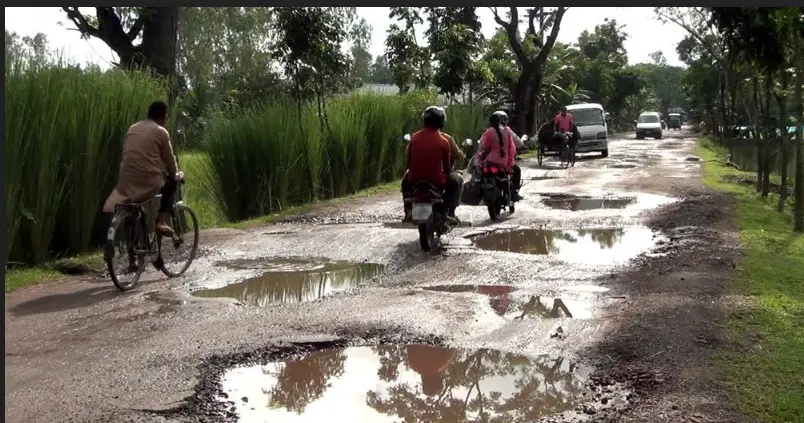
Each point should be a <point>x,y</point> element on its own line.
<point>125,250</point>
<point>178,251</point>
<point>564,156</point>
<point>572,156</point>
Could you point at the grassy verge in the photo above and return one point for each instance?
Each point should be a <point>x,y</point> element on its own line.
<point>765,373</point>
<point>209,216</point>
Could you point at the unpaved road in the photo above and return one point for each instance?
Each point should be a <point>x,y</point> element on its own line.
<point>610,312</point>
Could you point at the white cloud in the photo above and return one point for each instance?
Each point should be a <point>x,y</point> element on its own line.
<point>646,34</point>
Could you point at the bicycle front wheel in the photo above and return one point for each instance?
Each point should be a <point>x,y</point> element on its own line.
<point>178,251</point>
<point>564,156</point>
<point>125,250</point>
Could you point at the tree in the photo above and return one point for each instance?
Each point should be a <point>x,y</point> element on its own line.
<point>455,40</point>
<point>380,73</point>
<point>361,58</point>
<point>531,52</point>
<point>408,63</point>
<point>120,27</point>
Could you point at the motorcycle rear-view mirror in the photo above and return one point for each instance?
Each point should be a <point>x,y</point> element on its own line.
<point>525,138</point>
<point>407,137</point>
<point>468,141</point>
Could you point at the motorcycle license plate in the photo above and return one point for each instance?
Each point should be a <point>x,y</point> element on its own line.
<point>422,212</point>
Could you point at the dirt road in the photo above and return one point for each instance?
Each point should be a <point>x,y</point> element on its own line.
<point>597,300</point>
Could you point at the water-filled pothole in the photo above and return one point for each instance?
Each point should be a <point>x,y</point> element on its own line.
<point>585,246</point>
<point>587,203</point>
<point>292,280</point>
<point>538,307</point>
<point>414,383</point>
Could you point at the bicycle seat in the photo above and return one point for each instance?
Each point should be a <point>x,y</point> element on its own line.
<point>140,203</point>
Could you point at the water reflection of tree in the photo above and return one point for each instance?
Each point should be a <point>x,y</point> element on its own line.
<point>541,389</point>
<point>298,383</point>
<point>606,238</point>
<point>527,241</point>
<point>291,287</point>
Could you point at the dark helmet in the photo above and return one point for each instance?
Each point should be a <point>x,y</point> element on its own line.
<point>502,116</point>
<point>434,117</point>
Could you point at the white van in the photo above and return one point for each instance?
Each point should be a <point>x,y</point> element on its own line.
<point>590,118</point>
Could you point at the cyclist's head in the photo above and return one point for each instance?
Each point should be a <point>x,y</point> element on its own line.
<point>434,117</point>
<point>157,112</point>
<point>503,117</point>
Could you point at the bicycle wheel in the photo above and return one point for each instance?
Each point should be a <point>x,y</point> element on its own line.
<point>125,250</point>
<point>178,251</point>
<point>564,156</point>
<point>572,156</point>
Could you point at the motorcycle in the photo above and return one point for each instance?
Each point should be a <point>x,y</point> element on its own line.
<point>495,187</point>
<point>428,212</point>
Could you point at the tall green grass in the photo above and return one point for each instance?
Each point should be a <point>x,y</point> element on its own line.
<point>279,155</point>
<point>64,131</point>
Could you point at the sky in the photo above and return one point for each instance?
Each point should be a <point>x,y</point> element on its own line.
<point>645,33</point>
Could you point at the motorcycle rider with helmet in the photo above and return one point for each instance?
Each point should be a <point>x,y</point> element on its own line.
<point>497,147</point>
<point>429,159</point>
<point>520,145</point>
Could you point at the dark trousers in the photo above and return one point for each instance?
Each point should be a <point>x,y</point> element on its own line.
<point>451,196</point>
<point>168,192</point>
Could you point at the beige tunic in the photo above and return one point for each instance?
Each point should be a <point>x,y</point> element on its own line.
<point>147,156</point>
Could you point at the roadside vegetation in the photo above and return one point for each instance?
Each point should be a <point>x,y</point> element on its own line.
<point>764,366</point>
<point>744,85</point>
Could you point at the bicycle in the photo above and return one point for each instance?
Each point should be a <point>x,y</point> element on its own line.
<point>567,154</point>
<point>134,223</point>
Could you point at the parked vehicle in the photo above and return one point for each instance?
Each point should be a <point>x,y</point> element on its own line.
<point>649,124</point>
<point>591,120</point>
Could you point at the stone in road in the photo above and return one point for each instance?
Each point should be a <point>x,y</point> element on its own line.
<point>565,277</point>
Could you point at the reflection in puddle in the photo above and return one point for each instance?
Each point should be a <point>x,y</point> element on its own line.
<point>586,246</point>
<point>291,280</point>
<point>499,300</point>
<point>550,308</point>
<point>413,383</point>
<point>587,203</point>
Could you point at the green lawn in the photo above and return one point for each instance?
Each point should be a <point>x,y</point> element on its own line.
<point>765,368</point>
<point>199,197</point>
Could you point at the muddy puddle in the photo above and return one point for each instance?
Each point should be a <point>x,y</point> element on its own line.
<point>405,225</point>
<point>292,280</point>
<point>413,383</point>
<point>586,203</point>
<point>586,246</point>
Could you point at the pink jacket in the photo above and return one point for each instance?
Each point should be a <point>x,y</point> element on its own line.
<point>489,141</point>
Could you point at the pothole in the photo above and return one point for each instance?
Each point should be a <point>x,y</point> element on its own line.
<point>581,203</point>
<point>585,246</point>
<point>622,166</point>
<point>405,382</point>
<point>292,280</point>
<point>549,308</point>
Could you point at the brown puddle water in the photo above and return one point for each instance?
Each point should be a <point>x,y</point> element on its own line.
<point>292,280</point>
<point>587,203</point>
<point>413,383</point>
<point>585,246</point>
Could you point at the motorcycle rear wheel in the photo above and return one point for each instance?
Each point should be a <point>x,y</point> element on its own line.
<point>426,236</point>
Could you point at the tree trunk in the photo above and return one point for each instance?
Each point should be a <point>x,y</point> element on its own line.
<point>770,130</point>
<point>798,209</point>
<point>757,132</point>
<point>781,100</point>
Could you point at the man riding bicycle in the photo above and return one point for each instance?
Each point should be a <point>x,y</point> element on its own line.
<point>562,124</point>
<point>147,157</point>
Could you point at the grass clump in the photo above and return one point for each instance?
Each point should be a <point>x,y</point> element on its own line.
<point>766,371</point>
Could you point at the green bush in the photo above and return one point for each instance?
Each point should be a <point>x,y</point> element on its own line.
<point>64,133</point>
